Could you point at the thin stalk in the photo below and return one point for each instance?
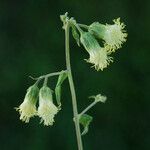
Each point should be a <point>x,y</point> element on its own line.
<point>78,27</point>
<point>45,81</point>
<point>48,75</point>
<point>88,108</point>
<point>83,26</point>
<point>72,89</point>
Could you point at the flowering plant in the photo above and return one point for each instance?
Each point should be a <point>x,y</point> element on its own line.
<point>112,37</point>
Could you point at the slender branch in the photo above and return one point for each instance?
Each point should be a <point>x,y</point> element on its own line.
<point>45,81</point>
<point>88,108</point>
<point>84,26</point>
<point>72,89</point>
<point>48,75</point>
<point>78,27</point>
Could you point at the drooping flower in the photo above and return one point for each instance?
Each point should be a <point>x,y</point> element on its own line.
<point>28,108</point>
<point>100,59</point>
<point>46,110</point>
<point>99,56</point>
<point>113,35</point>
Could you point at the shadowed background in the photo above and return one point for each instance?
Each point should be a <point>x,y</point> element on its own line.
<point>32,43</point>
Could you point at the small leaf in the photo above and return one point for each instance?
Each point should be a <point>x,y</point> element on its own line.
<point>85,121</point>
<point>75,35</point>
<point>61,79</point>
<point>58,95</point>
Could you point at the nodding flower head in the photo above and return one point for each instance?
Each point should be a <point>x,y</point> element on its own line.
<point>113,35</point>
<point>46,110</point>
<point>99,58</point>
<point>28,108</point>
<point>98,55</point>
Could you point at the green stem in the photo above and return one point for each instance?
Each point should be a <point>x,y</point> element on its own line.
<point>45,81</point>
<point>72,89</point>
<point>84,26</point>
<point>49,75</point>
<point>88,108</point>
<point>79,29</point>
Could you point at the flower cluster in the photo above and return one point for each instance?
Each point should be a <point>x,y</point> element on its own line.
<point>46,109</point>
<point>113,36</point>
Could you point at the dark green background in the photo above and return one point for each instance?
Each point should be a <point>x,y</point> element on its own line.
<point>32,43</point>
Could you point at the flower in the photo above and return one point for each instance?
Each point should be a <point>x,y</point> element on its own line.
<point>99,58</point>
<point>98,55</point>
<point>28,108</point>
<point>113,35</point>
<point>46,110</point>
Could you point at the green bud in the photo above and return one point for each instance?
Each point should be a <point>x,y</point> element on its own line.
<point>99,98</point>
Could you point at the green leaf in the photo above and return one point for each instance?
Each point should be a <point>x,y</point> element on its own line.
<point>58,95</point>
<point>85,121</point>
<point>61,79</point>
<point>75,35</point>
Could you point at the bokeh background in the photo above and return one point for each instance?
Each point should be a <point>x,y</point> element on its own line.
<point>32,43</point>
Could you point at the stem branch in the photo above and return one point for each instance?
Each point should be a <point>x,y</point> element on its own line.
<point>83,26</point>
<point>88,108</point>
<point>48,75</point>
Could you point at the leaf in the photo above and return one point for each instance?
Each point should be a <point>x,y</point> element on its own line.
<point>61,79</point>
<point>75,35</point>
<point>85,121</point>
<point>58,95</point>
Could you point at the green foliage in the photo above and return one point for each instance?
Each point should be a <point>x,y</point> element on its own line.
<point>61,79</point>
<point>75,35</point>
<point>85,121</point>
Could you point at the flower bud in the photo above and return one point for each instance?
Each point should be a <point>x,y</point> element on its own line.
<point>46,110</point>
<point>28,108</point>
<point>113,35</point>
<point>98,55</point>
<point>99,98</point>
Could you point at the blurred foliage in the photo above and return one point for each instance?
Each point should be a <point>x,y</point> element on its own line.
<point>32,43</point>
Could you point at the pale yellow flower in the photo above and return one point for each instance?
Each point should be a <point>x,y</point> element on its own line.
<point>115,35</point>
<point>46,110</point>
<point>28,108</point>
<point>99,58</point>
